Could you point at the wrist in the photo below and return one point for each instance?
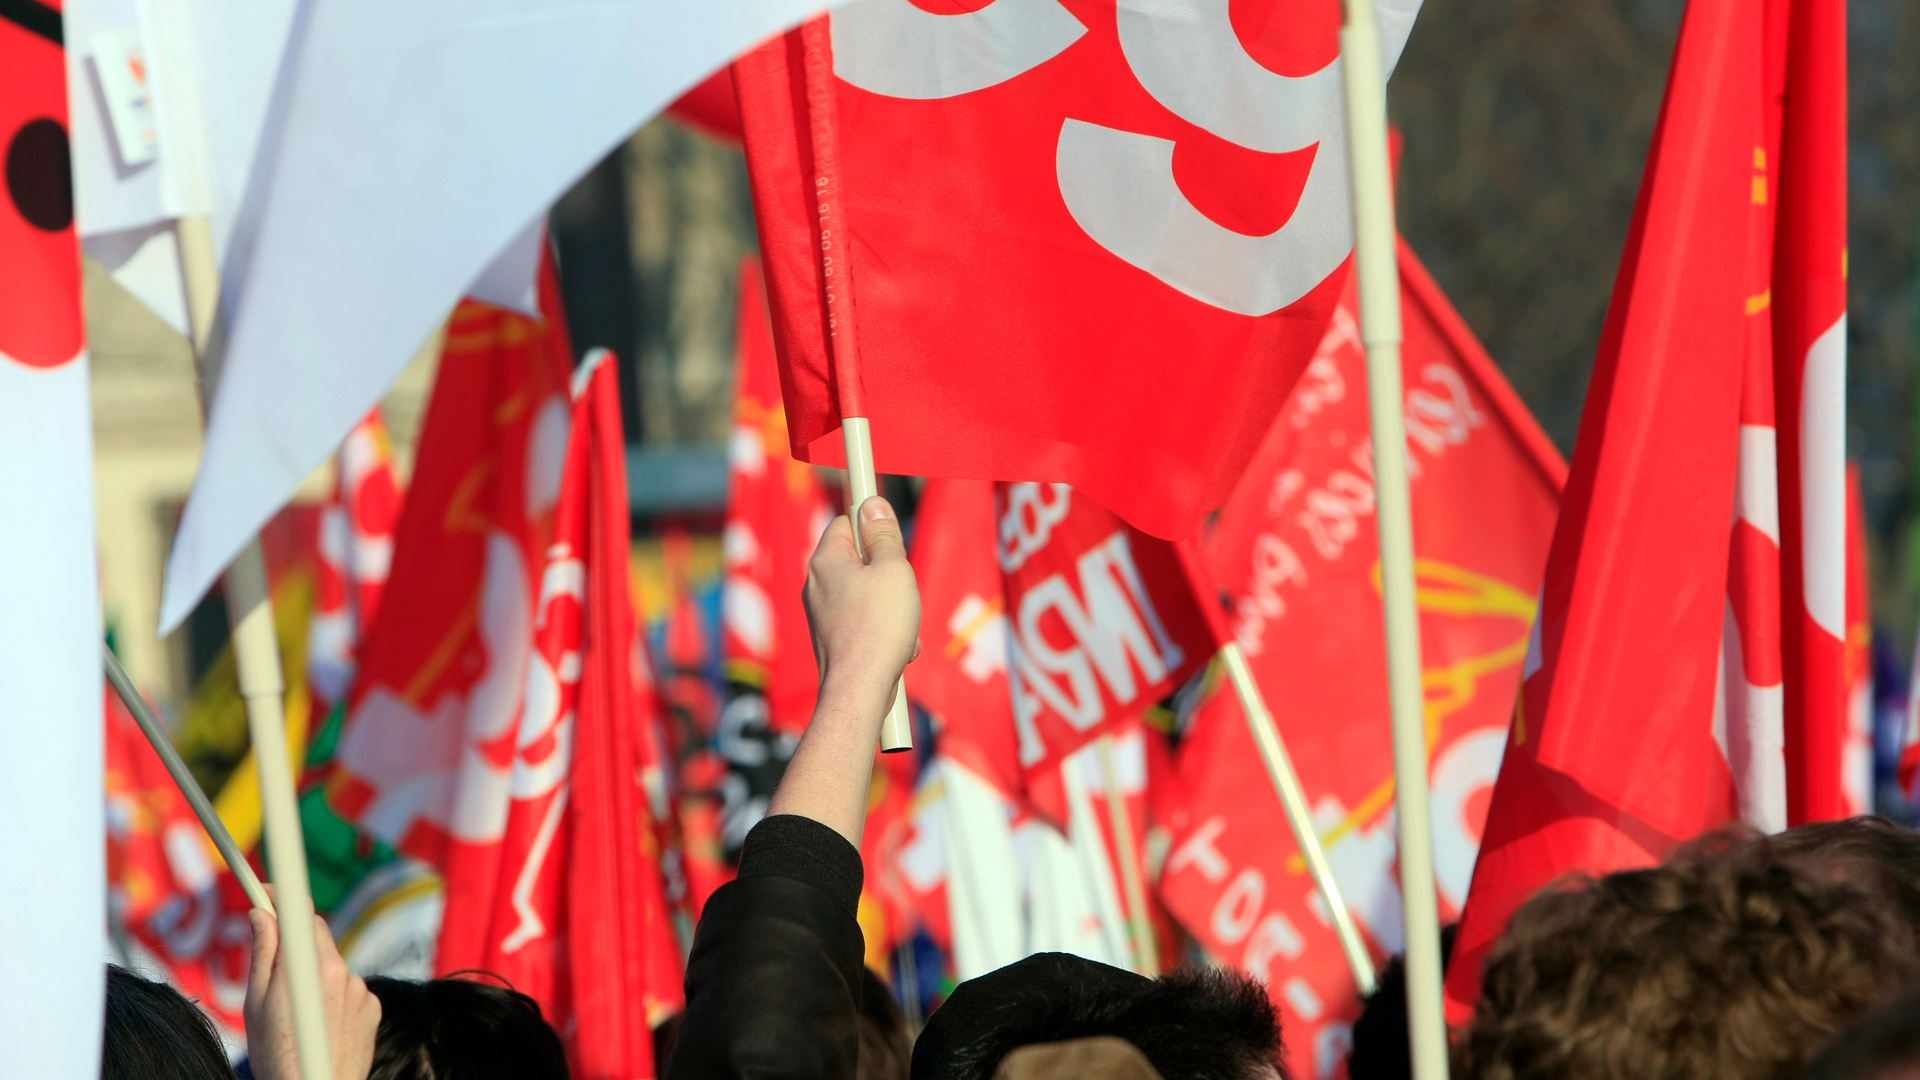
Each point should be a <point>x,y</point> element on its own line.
<point>854,698</point>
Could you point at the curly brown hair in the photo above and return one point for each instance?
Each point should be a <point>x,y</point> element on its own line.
<point>1730,961</point>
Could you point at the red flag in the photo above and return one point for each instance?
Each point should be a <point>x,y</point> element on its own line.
<point>183,911</point>
<point>1613,754</point>
<point>961,674</point>
<point>425,754</point>
<point>577,916</point>
<point>1297,552</point>
<point>1104,621</point>
<point>710,107</point>
<point>1810,370</point>
<point>1150,225</point>
<point>1856,755</point>
<point>355,556</point>
<point>776,511</point>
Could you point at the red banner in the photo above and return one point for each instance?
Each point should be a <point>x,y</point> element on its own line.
<point>1296,549</point>
<point>1087,242</point>
<point>1103,621</point>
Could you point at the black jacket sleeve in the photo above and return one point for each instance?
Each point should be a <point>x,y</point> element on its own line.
<point>774,978</point>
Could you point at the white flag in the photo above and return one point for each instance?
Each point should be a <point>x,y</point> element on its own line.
<point>406,146</point>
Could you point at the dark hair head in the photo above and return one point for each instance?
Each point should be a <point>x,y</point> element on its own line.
<point>1870,852</point>
<point>1192,1024</point>
<point>1729,961</point>
<point>153,1033</point>
<point>460,1028</point>
<point>1883,1045</point>
<point>1381,1050</point>
<point>886,1043</point>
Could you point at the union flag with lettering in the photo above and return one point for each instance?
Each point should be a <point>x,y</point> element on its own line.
<point>1297,551</point>
<point>1103,621</point>
<point>1088,242</point>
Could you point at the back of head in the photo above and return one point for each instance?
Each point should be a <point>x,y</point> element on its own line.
<point>1381,1050</point>
<point>1729,961</point>
<point>886,1043</point>
<point>1870,852</point>
<point>153,1033</point>
<point>1883,1045</point>
<point>459,1028</point>
<point>1192,1024</point>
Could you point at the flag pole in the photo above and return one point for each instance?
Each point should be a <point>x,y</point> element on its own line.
<point>1293,799</point>
<point>157,737</point>
<point>1377,265</point>
<point>843,334</point>
<point>1145,950</point>
<point>256,652</point>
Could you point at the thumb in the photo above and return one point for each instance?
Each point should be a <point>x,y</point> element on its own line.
<point>880,531</point>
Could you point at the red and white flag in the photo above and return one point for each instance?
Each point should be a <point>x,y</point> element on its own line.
<point>425,757</point>
<point>355,556</point>
<point>1103,621</point>
<point>961,674</point>
<point>1297,551</point>
<point>1111,234</point>
<point>1614,754</point>
<point>183,913</point>
<point>776,511</point>
<point>1809,301</point>
<point>53,898</point>
<point>1856,754</point>
<point>576,915</point>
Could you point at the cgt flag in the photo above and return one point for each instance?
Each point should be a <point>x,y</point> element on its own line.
<point>355,557</point>
<point>776,511</point>
<point>576,916</point>
<point>1297,553</point>
<point>53,899</point>
<point>1117,185</point>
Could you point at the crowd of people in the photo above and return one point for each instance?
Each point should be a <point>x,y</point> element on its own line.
<point>1741,956</point>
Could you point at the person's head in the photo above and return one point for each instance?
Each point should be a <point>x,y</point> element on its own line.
<point>886,1043</point>
<point>1883,1045</point>
<point>1380,1047</point>
<point>1871,852</point>
<point>465,1028</point>
<point>1729,961</point>
<point>153,1033</point>
<point>1192,1024</point>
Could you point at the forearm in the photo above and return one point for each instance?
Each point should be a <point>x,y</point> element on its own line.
<point>828,778</point>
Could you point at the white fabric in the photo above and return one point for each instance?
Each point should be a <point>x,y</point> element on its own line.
<point>405,147</point>
<point>53,882</point>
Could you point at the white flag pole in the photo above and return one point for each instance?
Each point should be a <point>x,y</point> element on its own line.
<point>1293,800</point>
<point>256,652</point>
<point>157,737</point>
<point>1146,951</point>
<point>1378,267</point>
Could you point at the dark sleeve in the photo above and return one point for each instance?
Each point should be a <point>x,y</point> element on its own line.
<point>773,981</point>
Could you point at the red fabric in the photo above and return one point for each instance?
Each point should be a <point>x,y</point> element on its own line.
<point>183,910</point>
<point>1612,756</point>
<point>425,755</point>
<point>1856,756</point>
<point>40,317</point>
<point>776,511</point>
<point>577,917</point>
<point>710,106</point>
<point>1103,622</point>
<point>1296,550</point>
<point>1809,334</point>
<point>961,674</point>
<point>355,555</point>
<point>1059,359</point>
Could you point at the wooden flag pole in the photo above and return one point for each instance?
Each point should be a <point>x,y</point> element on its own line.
<point>1146,951</point>
<point>1293,799</point>
<point>843,335</point>
<point>156,734</point>
<point>256,653</point>
<point>1377,263</point>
